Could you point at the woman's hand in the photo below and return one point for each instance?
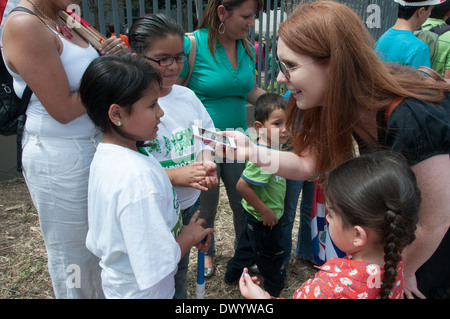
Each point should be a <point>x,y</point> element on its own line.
<point>249,287</point>
<point>411,289</point>
<point>113,45</point>
<point>244,147</point>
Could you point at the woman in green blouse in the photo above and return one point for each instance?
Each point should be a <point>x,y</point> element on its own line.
<point>223,77</point>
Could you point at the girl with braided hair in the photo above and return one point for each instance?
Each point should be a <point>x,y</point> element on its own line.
<point>373,203</point>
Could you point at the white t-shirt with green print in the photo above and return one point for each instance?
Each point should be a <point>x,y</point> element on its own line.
<point>134,217</point>
<point>175,146</point>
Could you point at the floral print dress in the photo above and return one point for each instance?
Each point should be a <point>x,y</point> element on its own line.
<point>344,278</point>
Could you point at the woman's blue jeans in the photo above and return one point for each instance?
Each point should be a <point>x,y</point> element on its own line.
<point>304,244</point>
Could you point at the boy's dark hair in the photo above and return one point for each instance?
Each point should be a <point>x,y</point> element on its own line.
<point>266,104</point>
<point>150,27</point>
<point>439,11</point>
<point>406,12</point>
<point>378,191</point>
<point>115,79</point>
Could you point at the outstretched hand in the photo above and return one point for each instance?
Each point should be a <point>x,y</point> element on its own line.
<point>243,146</point>
<point>249,287</point>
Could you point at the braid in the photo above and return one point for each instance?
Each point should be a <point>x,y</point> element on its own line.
<point>391,250</point>
<point>397,229</point>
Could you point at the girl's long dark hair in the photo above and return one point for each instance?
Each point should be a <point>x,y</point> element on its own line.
<point>378,191</point>
<point>150,27</point>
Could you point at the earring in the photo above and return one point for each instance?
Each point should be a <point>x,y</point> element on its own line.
<point>119,124</point>
<point>223,27</point>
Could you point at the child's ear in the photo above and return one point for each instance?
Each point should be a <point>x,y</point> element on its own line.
<point>115,114</point>
<point>257,125</point>
<point>134,55</point>
<point>360,236</point>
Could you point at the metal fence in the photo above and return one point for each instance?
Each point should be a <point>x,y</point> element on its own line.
<point>378,16</point>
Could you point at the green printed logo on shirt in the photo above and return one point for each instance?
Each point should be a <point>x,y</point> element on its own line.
<point>173,151</point>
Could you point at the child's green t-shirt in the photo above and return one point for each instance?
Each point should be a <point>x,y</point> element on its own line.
<point>271,189</point>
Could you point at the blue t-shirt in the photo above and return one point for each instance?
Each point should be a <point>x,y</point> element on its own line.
<point>403,47</point>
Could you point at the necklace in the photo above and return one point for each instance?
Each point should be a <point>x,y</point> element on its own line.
<point>64,29</point>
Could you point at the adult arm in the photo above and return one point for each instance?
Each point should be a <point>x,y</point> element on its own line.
<point>33,51</point>
<point>282,163</point>
<point>255,93</point>
<point>433,178</point>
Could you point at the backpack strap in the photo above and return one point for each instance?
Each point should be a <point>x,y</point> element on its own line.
<point>431,73</point>
<point>391,107</point>
<point>440,29</point>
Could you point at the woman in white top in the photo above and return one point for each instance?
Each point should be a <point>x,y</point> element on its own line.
<point>59,139</point>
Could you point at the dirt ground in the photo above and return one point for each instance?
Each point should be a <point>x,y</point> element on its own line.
<point>23,261</point>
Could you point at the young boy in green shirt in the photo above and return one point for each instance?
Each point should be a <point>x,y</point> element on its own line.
<point>263,202</point>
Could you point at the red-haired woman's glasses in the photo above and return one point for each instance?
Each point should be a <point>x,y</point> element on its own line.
<point>285,70</point>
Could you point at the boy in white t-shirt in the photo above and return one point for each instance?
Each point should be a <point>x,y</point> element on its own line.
<point>134,218</point>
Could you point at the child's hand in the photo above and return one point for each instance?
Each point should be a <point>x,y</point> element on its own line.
<point>211,179</point>
<point>269,218</point>
<point>191,175</point>
<point>204,245</point>
<point>195,232</point>
<point>249,287</point>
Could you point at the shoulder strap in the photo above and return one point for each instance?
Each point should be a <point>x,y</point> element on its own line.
<point>23,9</point>
<point>192,55</point>
<point>27,95</point>
<point>431,73</point>
<point>391,107</point>
<point>440,29</point>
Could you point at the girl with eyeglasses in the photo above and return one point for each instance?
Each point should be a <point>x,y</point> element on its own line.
<point>223,77</point>
<point>189,163</point>
<point>342,92</point>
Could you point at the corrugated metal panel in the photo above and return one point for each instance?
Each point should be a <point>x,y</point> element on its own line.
<point>378,15</point>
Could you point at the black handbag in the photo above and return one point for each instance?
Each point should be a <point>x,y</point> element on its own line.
<point>12,108</point>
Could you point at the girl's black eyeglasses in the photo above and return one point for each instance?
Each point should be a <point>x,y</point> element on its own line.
<point>169,60</point>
